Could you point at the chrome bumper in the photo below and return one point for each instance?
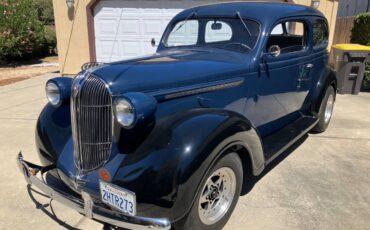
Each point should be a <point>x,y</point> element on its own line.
<point>86,206</point>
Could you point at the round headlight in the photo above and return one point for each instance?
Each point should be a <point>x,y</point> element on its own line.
<point>53,93</point>
<point>125,113</point>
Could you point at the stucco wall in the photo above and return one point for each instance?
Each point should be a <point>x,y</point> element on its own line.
<point>73,43</point>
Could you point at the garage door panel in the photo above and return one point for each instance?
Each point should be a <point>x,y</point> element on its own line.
<point>130,48</point>
<point>151,12</point>
<point>128,12</point>
<point>146,46</point>
<point>106,27</point>
<point>129,27</point>
<point>152,27</point>
<point>105,49</point>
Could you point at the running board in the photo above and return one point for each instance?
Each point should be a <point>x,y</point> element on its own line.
<point>281,140</point>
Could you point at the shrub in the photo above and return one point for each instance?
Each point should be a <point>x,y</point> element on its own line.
<point>50,41</point>
<point>45,11</point>
<point>366,82</point>
<point>21,33</point>
<point>361,29</point>
<point>361,35</point>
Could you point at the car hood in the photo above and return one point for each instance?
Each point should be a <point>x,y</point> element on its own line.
<point>171,69</point>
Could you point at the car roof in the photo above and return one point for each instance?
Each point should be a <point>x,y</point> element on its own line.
<point>261,11</point>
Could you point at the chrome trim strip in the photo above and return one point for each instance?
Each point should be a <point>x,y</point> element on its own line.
<point>76,87</point>
<point>88,208</point>
<point>168,94</point>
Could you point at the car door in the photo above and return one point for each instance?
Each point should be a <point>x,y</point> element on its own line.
<point>282,86</point>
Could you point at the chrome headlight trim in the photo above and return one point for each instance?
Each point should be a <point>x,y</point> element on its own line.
<point>58,90</point>
<point>53,93</point>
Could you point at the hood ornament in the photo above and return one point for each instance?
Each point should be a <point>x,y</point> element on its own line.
<point>89,65</point>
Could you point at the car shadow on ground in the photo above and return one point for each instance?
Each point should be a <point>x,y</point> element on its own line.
<point>47,208</point>
<point>44,208</point>
<point>250,180</point>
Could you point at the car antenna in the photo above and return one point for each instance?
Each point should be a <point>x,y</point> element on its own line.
<point>115,36</point>
<point>245,26</point>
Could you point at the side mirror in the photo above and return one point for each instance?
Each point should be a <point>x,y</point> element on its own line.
<point>274,50</point>
<point>152,42</point>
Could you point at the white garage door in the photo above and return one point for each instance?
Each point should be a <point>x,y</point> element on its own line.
<point>132,24</point>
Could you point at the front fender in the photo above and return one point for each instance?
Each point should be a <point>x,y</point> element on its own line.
<point>53,130</point>
<point>168,167</point>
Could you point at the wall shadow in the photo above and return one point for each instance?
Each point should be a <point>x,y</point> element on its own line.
<point>71,13</point>
<point>250,180</point>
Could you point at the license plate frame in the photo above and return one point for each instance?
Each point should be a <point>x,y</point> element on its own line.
<point>119,198</point>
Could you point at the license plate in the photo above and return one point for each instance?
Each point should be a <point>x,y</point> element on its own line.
<point>118,198</point>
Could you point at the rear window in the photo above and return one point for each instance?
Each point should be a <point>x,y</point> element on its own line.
<point>320,34</point>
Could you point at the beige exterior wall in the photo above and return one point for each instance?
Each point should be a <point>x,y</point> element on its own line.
<point>73,44</point>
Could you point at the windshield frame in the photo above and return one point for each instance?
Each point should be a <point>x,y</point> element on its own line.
<point>163,46</point>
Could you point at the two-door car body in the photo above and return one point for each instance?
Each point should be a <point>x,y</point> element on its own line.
<point>166,140</point>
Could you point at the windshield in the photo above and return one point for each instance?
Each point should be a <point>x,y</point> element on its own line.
<point>234,34</point>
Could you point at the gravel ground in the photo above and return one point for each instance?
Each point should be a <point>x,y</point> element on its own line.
<point>11,74</point>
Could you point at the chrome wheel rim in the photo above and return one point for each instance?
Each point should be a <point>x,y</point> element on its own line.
<point>217,195</point>
<point>329,108</point>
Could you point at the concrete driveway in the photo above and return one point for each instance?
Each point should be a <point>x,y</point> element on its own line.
<point>321,183</point>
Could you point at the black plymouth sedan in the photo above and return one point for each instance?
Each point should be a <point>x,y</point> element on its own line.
<point>164,141</point>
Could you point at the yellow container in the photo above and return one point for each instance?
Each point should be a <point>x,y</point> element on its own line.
<point>348,47</point>
<point>355,50</point>
<point>349,65</point>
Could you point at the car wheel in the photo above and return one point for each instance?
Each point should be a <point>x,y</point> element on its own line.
<point>326,111</point>
<point>217,196</point>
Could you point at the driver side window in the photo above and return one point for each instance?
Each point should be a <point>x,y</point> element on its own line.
<point>289,36</point>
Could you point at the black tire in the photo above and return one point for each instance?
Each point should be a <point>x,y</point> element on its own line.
<point>324,121</point>
<point>193,220</point>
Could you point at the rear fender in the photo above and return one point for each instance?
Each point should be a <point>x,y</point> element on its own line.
<point>326,79</point>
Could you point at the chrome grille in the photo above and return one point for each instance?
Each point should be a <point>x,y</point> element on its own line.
<point>91,110</point>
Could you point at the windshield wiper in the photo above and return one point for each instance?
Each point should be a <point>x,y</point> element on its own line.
<point>192,14</point>
<point>245,26</point>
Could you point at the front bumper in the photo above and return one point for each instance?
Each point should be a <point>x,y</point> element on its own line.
<point>86,205</point>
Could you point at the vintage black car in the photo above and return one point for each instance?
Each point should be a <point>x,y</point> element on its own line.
<point>165,140</point>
